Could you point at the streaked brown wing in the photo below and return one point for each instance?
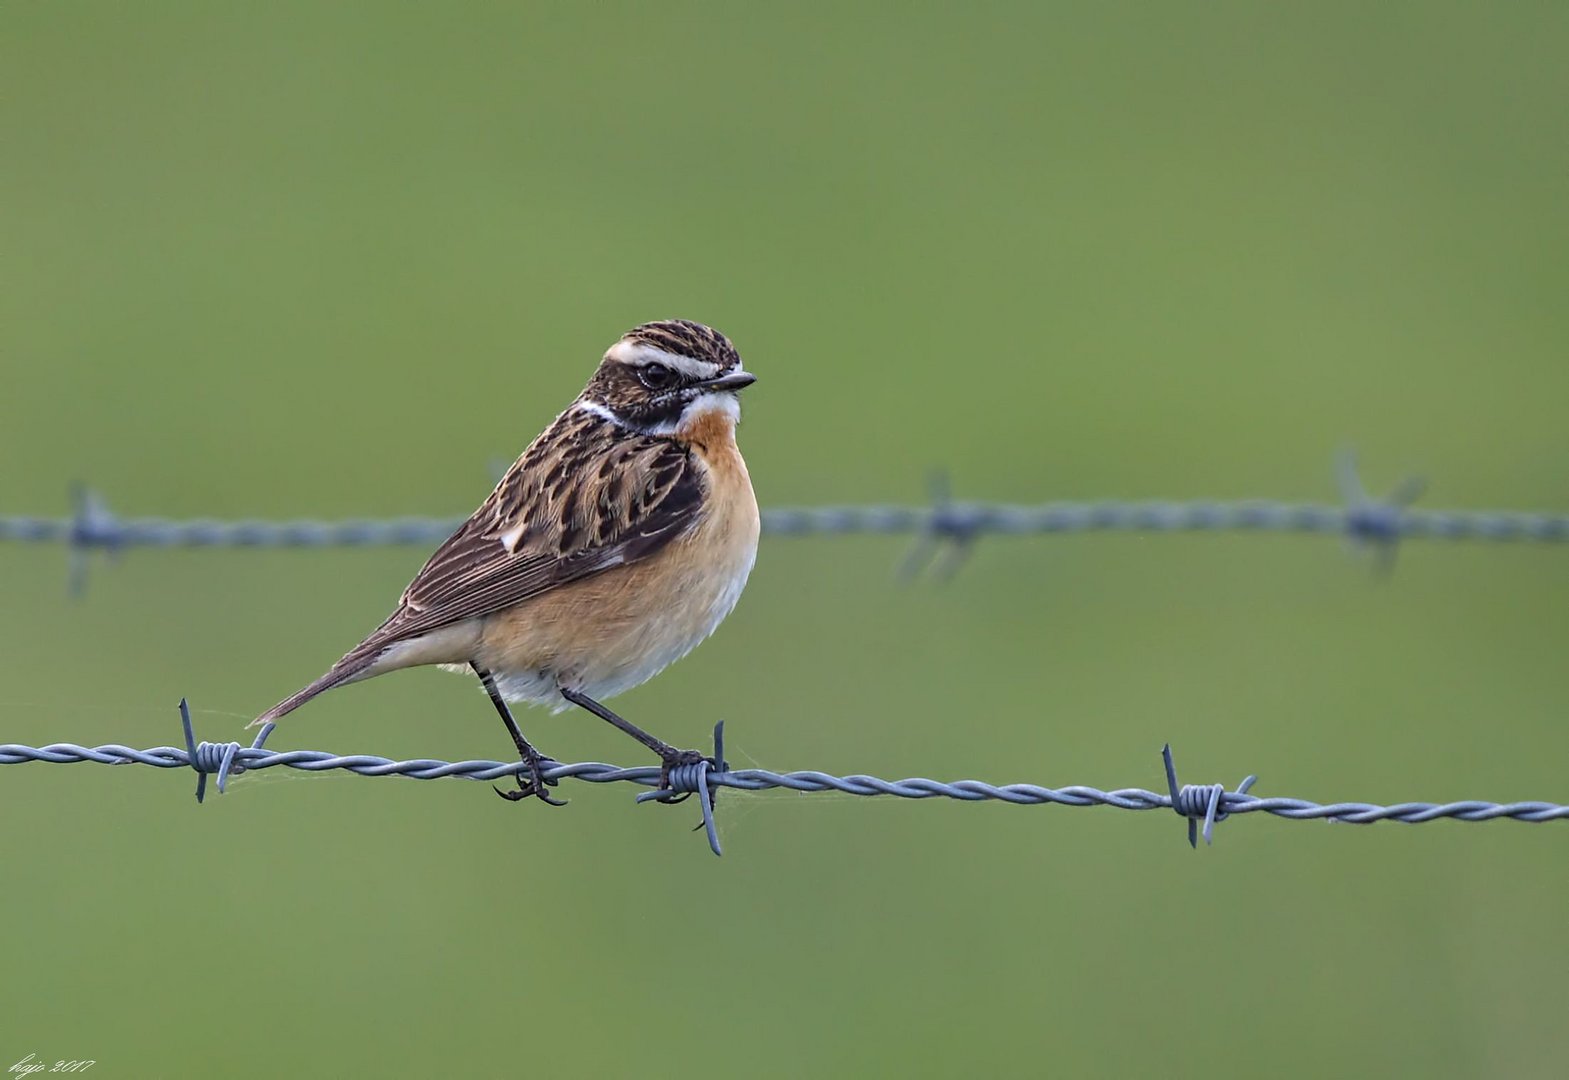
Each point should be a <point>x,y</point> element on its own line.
<point>583,497</point>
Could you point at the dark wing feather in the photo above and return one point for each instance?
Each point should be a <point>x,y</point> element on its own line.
<point>587,497</point>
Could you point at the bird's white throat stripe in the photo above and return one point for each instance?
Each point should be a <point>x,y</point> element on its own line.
<point>594,408</point>
<point>637,354</point>
<point>722,402</point>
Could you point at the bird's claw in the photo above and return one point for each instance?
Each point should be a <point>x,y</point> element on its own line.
<point>534,786</point>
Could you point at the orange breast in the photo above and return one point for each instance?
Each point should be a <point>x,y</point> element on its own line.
<point>610,632</point>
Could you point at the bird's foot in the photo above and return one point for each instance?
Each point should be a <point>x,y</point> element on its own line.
<point>534,786</point>
<point>670,760</point>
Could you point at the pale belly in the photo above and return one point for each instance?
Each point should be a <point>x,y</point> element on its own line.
<point>606,634</point>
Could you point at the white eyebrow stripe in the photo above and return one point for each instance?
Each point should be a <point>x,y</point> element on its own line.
<point>636,354</point>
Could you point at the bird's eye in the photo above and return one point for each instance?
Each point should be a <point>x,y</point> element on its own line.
<point>655,376</point>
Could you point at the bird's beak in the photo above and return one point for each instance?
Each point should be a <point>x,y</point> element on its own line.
<point>736,380</point>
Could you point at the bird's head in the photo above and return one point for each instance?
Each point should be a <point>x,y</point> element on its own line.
<point>664,376</point>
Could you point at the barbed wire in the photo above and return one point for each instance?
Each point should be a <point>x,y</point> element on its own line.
<point>1201,805</point>
<point>1378,524</point>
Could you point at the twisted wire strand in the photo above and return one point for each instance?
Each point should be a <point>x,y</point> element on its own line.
<point>1379,524</point>
<point>1359,515</point>
<point>1196,803</point>
<point>958,519</point>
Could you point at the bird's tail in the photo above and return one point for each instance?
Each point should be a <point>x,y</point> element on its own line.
<point>352,667</point>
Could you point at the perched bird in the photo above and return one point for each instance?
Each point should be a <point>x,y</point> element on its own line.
<point>617,542</point>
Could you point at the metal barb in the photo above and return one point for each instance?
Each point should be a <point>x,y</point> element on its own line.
<point>92,525</point>
<point>948,528</point>
<point>217,758</point>
<point>1375,523</point>
<point>1194,801</point>
<point>696,777</point>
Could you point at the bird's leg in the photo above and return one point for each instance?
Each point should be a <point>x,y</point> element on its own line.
<point>531,757</point>
<point>669,756</point>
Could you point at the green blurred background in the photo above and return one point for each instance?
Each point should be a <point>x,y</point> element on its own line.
<point>305,260</point>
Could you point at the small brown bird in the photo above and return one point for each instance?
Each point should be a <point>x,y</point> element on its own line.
<point>617,542</point>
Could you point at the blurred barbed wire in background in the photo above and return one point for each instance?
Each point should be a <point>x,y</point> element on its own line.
<point>1378,524</point>
<point>1202,805</point>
